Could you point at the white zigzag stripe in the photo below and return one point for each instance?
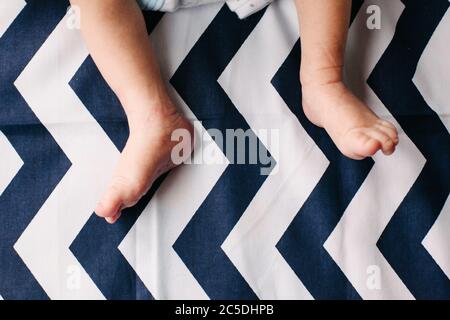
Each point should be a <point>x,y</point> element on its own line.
<point>353,242</point>
<point>44,245</point>
<point>9,10</point>
<point>437,241</point>
<point>432,81</point>
<point>148,246</point>
<point>431,78</point>
<point>11,163</point>
<point>251,245</point>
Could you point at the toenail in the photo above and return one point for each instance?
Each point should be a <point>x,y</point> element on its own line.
<point>110,220</point>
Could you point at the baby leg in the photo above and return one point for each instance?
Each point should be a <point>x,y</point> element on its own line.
<point>327,102</point>
<point>116,36</point>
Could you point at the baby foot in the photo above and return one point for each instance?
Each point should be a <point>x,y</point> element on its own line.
<point>146,156</point>
<point>357,132</point>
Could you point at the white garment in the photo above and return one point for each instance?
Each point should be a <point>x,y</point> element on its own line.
<point>243,8</point>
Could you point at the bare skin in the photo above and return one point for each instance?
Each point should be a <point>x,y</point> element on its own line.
<point>116,36</point>
<point>328,103</point>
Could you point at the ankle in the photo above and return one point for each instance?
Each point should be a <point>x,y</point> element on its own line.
<point>156,114</point>
<point>142,106</point>
<point>320,76</point>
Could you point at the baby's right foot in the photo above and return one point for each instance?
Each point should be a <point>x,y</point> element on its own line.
<point>146,156</point>
<point>356,131</point>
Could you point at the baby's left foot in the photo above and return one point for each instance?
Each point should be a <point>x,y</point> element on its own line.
<point>354,128</point>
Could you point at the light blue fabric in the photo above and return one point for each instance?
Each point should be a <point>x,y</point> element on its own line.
<point>173,5</point>
<point>243,8</point>
<point>151,4</point>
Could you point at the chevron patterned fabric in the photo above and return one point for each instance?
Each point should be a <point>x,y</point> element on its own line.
<point>320,226</point>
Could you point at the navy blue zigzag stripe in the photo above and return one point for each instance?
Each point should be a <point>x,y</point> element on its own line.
<point>391,80</point>
<point>44,162</point>
<point>196,82</point>
<point>96,246</point>
<point>327,203</point>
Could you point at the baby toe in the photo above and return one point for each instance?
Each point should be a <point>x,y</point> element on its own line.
<point>387,144</point>
<point>389,129</point>
<point>387,124</point>
<point>362,145</point>
<point>112,220</point>
<point>110,204</point>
